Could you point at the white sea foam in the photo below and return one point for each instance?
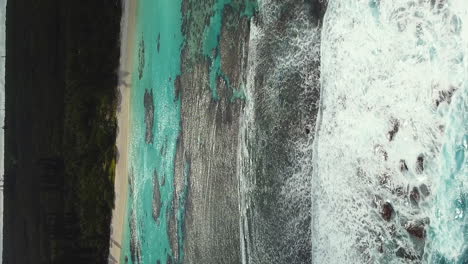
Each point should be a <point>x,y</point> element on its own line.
<point>243,157</point>
<point>386,63</point>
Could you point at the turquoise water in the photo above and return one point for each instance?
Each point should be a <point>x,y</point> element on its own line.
<point>157,64</point>
<point>211,43</point>
<point>448,232</point>
<point>211,47</point>
<point>160,39</point>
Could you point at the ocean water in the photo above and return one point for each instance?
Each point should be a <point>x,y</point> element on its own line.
<point>383,180</point>
<point>390,178</point>
<point>275,141</point>
<point>155,128</point>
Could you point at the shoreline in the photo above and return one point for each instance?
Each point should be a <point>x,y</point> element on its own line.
<point>128,26</point>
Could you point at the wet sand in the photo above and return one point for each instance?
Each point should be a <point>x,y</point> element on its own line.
<point>123,115</point>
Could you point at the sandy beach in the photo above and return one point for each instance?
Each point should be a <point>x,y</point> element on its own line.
<point>128,25</point>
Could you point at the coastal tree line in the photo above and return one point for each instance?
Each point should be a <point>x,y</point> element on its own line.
<point>90,127</point>
<point>73,153</point>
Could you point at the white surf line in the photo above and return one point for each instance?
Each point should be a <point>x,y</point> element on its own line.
<point>384,67</point>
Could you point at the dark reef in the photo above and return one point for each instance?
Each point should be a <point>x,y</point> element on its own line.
<point>158,44</point>
<point>148,103</point>
<point>156,197</point>
<point>141,58</point>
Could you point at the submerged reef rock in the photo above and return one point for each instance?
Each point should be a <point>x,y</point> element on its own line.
<point>416,229</point>
<point>156,197</point>
<point>148,103</point>
<point>141,59</point>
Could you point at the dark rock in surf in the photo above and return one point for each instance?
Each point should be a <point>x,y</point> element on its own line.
<point>387,211</point>
<point>420,164</point>
<point>416,229</point>
<point>148,102</point>
<point>402,253</point>
<point>424,190</point>
<point>414,196</point>
<point>445,96</point>
<point>403,166</point>
<point>441,128</point>
<point>395,127</point>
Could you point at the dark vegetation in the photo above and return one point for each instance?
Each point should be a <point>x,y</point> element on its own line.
<point>60,129</point>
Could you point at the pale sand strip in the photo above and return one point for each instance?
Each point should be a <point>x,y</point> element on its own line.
<point>128,26</point>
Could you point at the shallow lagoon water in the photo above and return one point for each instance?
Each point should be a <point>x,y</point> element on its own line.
<point>159,41</point>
